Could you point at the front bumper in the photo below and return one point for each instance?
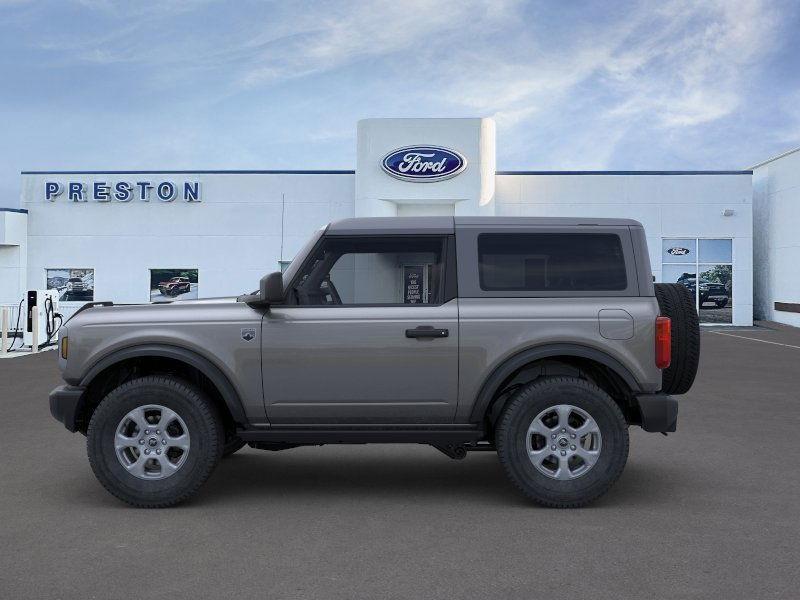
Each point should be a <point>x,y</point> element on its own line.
<point>66,402</point>
<point>659,412</point>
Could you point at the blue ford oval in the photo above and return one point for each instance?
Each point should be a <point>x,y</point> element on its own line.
<point>424,163</point>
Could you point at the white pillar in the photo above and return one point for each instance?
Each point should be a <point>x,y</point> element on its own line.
<point>4,331</point>
<point>35,328</point>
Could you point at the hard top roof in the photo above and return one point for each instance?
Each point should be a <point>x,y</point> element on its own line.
<point>444,225</point>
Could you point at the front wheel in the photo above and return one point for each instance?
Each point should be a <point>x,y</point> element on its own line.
<point>562,441</point>
<point>153,441</point>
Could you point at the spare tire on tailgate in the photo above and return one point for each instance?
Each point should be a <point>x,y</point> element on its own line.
<point>676,302</point>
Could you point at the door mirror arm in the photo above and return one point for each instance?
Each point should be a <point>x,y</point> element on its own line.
<point>270,291</point>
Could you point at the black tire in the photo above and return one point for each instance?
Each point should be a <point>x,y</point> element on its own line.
<point>205,430</point>
<point>511,433</point>
<point>677,303</point>
<point>722,303</point>
<point>232,445</point>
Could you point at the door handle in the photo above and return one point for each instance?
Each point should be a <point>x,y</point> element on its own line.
<point>426,331</point>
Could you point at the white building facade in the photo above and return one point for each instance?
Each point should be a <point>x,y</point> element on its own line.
<point>143,236</point>
<point>776,198</point>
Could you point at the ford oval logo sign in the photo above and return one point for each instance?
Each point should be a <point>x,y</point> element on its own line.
<point>678,251</point>
<point>423,163</point>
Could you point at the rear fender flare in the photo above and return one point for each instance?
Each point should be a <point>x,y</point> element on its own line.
<point>503,371</point>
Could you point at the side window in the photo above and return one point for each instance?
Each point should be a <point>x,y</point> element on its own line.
<point>555,262</point>
<point>372,270</point>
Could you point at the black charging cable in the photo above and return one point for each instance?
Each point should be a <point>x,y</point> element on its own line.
<point>50,320</point>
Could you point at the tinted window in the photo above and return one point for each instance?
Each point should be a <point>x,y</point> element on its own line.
<point>553,262</point>
<point>365,270</point>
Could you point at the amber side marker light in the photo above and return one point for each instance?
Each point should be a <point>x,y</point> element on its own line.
<point>663,342</point>
<point>64,347</point>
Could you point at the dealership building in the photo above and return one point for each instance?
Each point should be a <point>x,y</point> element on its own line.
<point>141,236</point>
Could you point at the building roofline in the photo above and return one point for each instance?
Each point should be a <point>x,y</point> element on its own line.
<point>197,172</point>
<point>351,172</point>
<point>740,172</point>
<point>781,155</point>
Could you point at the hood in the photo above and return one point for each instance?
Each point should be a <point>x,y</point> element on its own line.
<point>168,310</point>
<point>220,300</point>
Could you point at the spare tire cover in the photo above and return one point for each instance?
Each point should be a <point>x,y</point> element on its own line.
<point>676,302</point>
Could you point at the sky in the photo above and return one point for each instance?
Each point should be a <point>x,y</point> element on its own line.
<point>572,85</point>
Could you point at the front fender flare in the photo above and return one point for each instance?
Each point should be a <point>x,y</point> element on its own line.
<point>503,371</point>
<point>229,394</point>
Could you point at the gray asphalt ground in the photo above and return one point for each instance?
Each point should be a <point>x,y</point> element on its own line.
<point>712,511</point>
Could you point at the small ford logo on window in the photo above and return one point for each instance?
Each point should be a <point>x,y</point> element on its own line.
<point>423,163</point>
<point>678,251</point>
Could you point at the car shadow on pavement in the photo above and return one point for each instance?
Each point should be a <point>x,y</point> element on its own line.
<point>385,474</point>
<point>479,478</point>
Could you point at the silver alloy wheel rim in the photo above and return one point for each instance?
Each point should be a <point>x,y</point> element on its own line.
<point>152,442</point>
<point>563,442</point>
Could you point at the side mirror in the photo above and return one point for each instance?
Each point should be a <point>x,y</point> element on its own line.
<point>271,288</point>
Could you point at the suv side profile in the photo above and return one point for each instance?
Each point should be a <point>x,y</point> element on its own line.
<point>541,339</point>
<point>175,286</point>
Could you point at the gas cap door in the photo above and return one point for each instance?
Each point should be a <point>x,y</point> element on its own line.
<point>615,324</point>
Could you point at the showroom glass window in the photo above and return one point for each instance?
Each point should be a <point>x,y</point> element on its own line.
<point>681,261</point>
<point>551,262</point>
<point>372,271</point>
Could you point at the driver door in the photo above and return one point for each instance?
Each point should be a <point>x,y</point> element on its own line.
<point>361,340</point>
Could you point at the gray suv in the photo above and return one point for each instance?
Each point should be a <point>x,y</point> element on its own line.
<point>540,339</point>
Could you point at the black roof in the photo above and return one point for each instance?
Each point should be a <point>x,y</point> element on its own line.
<point>444,225</point>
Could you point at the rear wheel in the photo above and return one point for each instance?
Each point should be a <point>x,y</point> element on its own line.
<point>562,441</point>
<point>153,441</point>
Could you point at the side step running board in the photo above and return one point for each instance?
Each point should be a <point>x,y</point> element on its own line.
<point>384,434</point>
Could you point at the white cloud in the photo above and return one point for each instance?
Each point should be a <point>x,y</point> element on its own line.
<point>692,68</point>
<point>571,86</point>
<point>336,34</point>
<point>684,65</point>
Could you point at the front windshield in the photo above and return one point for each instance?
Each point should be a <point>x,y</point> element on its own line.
<point>291,270</point>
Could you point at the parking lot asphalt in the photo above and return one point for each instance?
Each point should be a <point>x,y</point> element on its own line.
<point>712,511</point>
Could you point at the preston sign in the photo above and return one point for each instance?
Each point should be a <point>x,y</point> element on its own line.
<point>123,191</point>
<point>423,163</point>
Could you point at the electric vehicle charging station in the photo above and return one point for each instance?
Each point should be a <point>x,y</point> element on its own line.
<point>42,318</point>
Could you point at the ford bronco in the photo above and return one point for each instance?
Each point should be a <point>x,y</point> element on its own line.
<point>542,339</point>
<point>175,286</point>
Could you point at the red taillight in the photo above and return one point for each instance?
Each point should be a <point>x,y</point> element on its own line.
<point>663,342</point>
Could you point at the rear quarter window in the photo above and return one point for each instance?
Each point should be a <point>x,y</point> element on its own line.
<point>551,262</point>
